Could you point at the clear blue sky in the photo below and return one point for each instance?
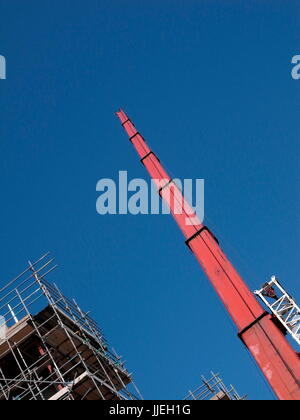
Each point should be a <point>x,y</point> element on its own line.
<point>209,85</point>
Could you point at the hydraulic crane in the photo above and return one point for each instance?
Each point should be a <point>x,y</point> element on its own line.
<point>256,328</point>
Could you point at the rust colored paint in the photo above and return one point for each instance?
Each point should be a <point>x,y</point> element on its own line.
<point>268,346</point>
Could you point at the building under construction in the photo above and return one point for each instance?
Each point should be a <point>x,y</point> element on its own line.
<point>50,349</point>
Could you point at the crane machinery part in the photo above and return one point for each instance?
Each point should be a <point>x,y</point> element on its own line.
<point>274,355</point>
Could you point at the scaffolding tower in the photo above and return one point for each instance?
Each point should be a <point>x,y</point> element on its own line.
<point>214,389</point>
<point>50,349</point>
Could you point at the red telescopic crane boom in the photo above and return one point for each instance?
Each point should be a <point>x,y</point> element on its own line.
<point>276,358</point>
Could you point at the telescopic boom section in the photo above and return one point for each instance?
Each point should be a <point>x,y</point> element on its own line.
<point>267,344</point>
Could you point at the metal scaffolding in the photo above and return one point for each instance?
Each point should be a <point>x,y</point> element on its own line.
<point>214,390</point>
<point>50,349</point>
<point>282,305</point>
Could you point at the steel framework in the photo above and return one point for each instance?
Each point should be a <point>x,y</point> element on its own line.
<point>214,389</point>
<point>284,308</point>
<point>50,349</point>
